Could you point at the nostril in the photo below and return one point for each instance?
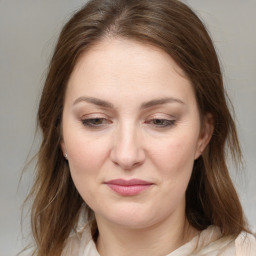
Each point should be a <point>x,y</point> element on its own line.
<point>127,167</point>
<point>127,150</point>
<point>128,162</point>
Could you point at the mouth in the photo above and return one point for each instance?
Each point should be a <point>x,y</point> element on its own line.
<point>128,187</point>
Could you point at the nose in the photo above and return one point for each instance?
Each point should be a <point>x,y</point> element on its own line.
<point>127,151</point>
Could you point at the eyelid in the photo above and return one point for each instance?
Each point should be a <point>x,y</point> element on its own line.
<point>94,115</point>
<point>95,120</point>
<point>161,121</point>
<point>91,123</point>
<point>161,116</point>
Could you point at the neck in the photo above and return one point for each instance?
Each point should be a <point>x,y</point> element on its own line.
<point>160,239</point>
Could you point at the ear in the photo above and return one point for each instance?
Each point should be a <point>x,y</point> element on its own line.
<point>63,147</point>
<point>205,134</point>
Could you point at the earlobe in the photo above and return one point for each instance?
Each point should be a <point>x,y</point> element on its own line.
<point>62,145</point>
<point>63,148</point>
<point>205,134</point>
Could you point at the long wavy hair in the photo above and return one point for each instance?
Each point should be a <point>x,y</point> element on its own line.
<point>170,25</point>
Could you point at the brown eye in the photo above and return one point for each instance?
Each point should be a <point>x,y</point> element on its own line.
<point>95,122</point>
<point>161,123</point>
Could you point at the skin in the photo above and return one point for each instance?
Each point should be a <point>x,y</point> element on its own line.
<point>130,138</point>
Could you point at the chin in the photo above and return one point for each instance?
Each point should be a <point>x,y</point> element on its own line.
<point>131,217</point>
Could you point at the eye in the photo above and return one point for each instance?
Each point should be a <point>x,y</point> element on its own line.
<point>161,123</point>
<point>96,122</point>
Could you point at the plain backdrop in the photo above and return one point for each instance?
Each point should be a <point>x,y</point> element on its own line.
<point>28,32</point>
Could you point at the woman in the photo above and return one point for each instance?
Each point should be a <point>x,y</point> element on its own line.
<point>135,127</point>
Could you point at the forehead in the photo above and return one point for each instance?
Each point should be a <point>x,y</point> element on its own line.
<point>128,67</point>
<point>124,53</point>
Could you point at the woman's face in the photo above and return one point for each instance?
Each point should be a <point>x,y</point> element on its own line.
<point>131,129</point>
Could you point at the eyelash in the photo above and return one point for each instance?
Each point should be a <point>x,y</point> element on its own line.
<point>90,122</point>
<point>164,122</point>
<point>93,122</point>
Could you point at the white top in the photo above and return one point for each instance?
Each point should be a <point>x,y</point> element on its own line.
<point>209,242</point>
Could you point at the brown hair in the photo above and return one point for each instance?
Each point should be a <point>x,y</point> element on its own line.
<point>172,26</point>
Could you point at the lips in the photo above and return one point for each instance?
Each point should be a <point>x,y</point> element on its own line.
<point>128,187</point>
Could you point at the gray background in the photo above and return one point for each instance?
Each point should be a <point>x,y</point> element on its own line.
<point>28,32</point>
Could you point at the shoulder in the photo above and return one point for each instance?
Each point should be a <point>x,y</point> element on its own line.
<point>245,244</point>
<point>77,242</point>
<point>212,243</point>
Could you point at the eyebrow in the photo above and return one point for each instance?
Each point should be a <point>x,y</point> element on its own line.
<point>148,104</point>
<point>95,101</point>
<point>161,101</point>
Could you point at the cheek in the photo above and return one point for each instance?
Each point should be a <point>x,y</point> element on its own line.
<point>86,153</point>
<point>175,158</point>
<point>86,158</point>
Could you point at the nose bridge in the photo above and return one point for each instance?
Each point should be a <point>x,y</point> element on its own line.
<point>127,150</point>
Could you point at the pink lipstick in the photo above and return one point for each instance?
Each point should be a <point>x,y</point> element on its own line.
<point>128,187</point>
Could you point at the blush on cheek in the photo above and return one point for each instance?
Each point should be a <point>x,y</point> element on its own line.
<point>86,153</point>
<point>84,164</point>
<point>176,158</point>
